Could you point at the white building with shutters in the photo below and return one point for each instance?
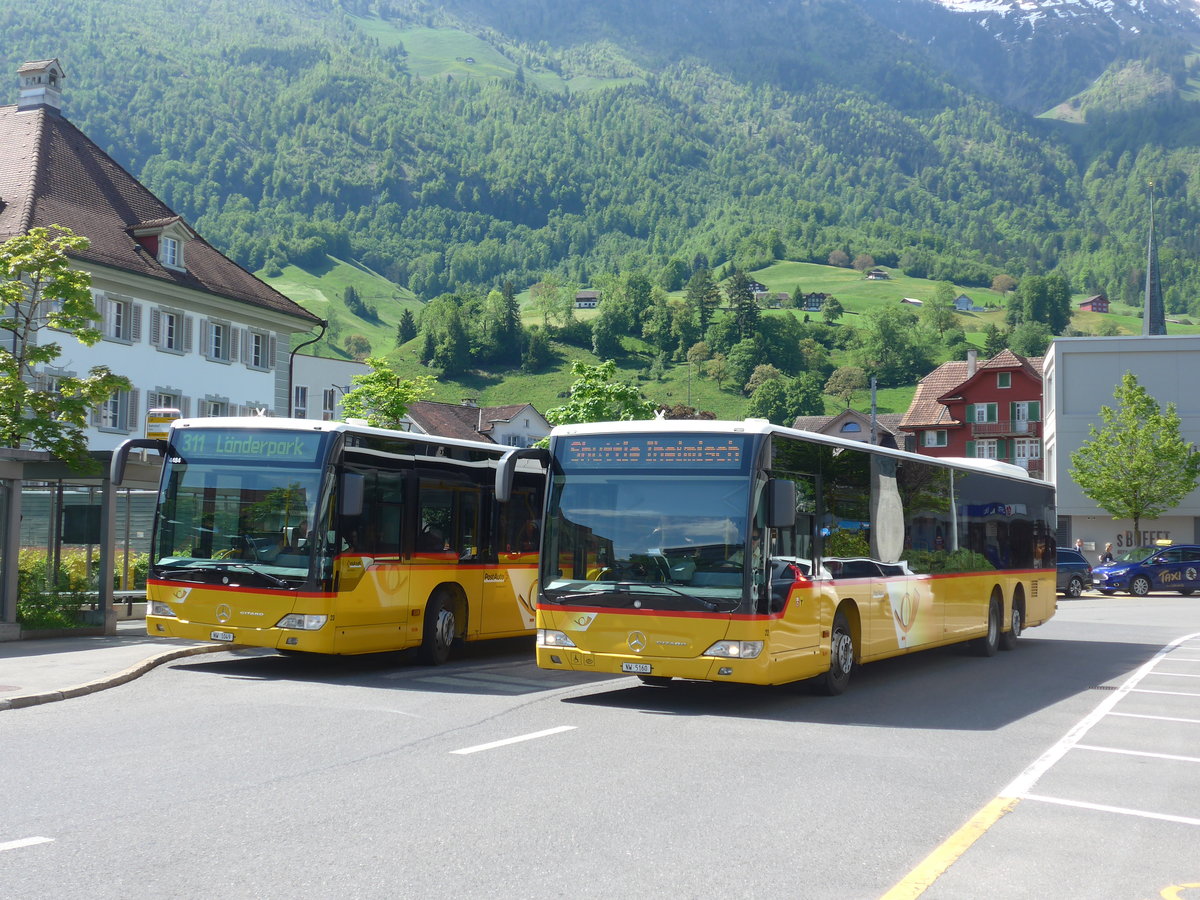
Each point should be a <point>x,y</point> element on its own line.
<point>186,325</point>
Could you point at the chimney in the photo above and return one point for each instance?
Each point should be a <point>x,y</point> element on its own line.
<point>41,86</point>
<point>972,360</point>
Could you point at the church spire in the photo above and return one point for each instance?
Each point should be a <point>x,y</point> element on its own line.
<point>1153,316</point>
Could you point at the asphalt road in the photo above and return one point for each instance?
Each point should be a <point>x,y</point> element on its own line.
<point>246,774</point>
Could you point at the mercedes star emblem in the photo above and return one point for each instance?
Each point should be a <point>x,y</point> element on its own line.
<point>637,641</point>
<point>224,613</point>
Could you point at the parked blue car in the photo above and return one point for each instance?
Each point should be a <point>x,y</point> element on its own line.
<point>1141,570</point>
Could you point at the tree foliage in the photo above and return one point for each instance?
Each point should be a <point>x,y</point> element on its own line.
<point>381,397</point>
<point>596,396</point>
<point>1136,465</point>
<point>39,291</point>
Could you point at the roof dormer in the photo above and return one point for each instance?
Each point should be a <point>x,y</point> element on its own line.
<point>165,240</point>
<point>41,85</point>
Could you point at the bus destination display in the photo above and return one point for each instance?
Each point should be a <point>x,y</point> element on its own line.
<point>251,446</point>
<point>615,451</point>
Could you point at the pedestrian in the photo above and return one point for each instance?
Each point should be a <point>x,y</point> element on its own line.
<point>1079,544</point>
<point>1107,556</point>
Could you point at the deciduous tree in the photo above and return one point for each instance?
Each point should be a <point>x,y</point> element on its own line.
<point>596,396</point>
<point>1136,465</point>
<point>381,396</point>
<point>38,291</point>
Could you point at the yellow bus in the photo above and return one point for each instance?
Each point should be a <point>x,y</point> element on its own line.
<point>325,537</point>
<point>748,552</point>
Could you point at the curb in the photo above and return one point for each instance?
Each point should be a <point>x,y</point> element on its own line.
<point>100,684</point>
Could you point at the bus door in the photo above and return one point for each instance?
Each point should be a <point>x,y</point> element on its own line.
<point>794,597</point>
<point>510,575</point>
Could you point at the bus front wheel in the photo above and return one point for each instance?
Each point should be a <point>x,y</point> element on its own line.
<point>439,631</point>
<point>841,659</point>
<point>990,642</point>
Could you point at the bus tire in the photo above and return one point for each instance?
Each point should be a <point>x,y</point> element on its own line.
<point>841,659</point>
<point>1008,639</point>
<point>990,642</point>
<point>438,632</point>
<point>655,680</point>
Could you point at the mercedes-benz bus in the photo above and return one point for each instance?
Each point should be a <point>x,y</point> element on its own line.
<point>749,552</point>
<point>326,537</point>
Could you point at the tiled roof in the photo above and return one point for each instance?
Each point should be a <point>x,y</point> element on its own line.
<point>472,423</point>
<point>926,410</point>
<point>52,174</point>
<point>887,421</point>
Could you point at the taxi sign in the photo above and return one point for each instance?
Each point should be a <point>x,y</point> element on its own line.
<point>158,421</point>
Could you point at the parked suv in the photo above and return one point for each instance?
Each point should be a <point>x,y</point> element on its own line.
<point>1141,570</point>
<point>1074,572</point>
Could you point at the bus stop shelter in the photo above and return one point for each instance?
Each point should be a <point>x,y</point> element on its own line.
<point>24,471</point>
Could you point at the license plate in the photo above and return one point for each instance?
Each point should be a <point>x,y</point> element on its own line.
<point>636,668</point>
<point>222,636</point>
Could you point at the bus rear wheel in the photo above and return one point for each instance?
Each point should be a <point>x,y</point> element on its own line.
<point>1008,639</point>
<point>439,631</point>
<point>841,659</point>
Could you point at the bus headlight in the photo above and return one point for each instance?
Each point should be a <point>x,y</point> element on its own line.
<point>548,637</point>
<point>161,609</point>
<point>735,649</point>
<point>300,622</point>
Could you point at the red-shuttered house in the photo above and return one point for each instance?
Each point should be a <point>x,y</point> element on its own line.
<point>981,410</point>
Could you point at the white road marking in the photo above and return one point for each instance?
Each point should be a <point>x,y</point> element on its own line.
<point>1170,693</point>
<point>514,740</point>
<point>1179,674</point>
<point>24,842</point>
<point>1119,751</point>
<point>1023,783</point>
<point>1159,718</point>
<point>1100,807</point>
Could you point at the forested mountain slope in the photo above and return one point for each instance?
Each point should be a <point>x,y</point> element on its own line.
<point>610,136</point>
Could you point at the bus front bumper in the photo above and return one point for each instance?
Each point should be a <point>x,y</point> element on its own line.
<point>698,668</point>
<point>273,638</point>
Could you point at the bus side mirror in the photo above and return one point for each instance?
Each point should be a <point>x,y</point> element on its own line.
<point>351,494</point>
<point>508,465</point>
<point>781,499</point>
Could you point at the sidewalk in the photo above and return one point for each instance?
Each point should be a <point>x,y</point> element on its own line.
<point>42,671</point>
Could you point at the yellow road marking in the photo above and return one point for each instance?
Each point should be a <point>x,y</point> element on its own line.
<point>916,882</point>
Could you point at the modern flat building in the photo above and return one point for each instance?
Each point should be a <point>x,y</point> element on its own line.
<point>1080,375</point>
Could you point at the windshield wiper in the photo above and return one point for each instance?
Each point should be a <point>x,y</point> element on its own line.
<point>628,590</point>
<point>216,566</point>
<point>267,576</point>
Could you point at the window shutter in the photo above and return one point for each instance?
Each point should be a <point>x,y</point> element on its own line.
<point>94,417</point>
<point>992,413</point>
<point>234,335</point>
<point>1012,412</point>
<point>1001,449</point>
<point>106,315</point>
<point>131,418</point>
<point>187,334</point>
<point>155,327</point>
<point>205,338</point>
<point>135,333</point>
<point>970,449</point>
<point>246,345</point>
<point>271,350</point>
<point>1035,411</point>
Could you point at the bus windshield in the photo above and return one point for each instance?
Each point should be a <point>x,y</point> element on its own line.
<point>239,506</point>
<point>621,534</point>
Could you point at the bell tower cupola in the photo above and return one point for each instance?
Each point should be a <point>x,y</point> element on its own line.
<point>41,85</point>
